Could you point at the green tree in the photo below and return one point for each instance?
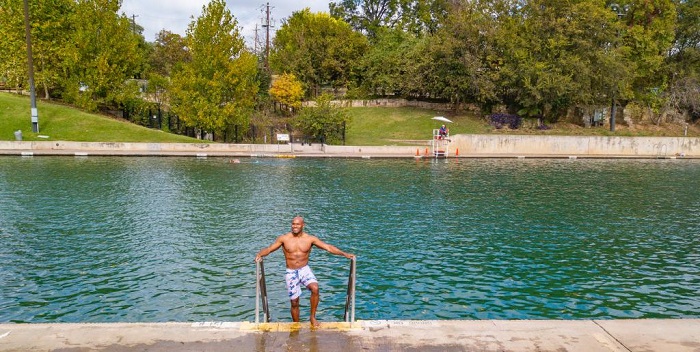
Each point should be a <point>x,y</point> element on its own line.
<point>169,51</point>
<point>217,88</point>
<point>157,89</point>
<point>103,53</point>
<point>370,16</point>
<point>13,54</point>
<point>49,21</point>
<point>318,49</point>
<point>557,54</point>
<point>394,64</point>
<point>648,35</point>
<point>684,59</point>
<point>687,39</point>
<point>682,67</point>
<point>324,121</point>
<point>463,63</point>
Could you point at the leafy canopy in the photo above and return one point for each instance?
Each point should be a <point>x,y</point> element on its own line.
<point>217,87</point>
<point>318,49</point>
<point>287,90</point>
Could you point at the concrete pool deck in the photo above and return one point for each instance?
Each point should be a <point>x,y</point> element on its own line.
<point>663,335</point>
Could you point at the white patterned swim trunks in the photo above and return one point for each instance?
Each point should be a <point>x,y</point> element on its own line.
<point>295,278</point>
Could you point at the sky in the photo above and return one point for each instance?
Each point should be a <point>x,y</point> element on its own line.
<point>176,15</point>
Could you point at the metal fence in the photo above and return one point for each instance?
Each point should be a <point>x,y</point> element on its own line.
<point>156,118</point>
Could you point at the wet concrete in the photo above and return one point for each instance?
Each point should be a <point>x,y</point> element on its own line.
<point>377,335</point>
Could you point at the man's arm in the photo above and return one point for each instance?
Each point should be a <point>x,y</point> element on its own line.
<point>331,248</point>
<point>273,247</point>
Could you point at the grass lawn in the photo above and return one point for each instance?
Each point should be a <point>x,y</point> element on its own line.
<point>368,126</point>
<point>63,123</point>
<point>397,126</point>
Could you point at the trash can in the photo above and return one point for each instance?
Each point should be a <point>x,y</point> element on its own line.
<point>18,135</point>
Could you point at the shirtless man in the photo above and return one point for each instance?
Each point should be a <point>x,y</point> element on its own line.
<point>297,247</point>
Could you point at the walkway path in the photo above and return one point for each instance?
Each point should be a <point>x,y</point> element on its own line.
<point>377,335</point>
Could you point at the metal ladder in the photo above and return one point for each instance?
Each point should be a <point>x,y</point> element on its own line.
<point>261,294</point>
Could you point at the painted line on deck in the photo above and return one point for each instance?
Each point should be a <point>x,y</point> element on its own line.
<point>217,324</point>
<point>292,327</point>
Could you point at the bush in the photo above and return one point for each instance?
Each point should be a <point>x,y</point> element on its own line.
<point>501,120</point>
<point>324,122</point>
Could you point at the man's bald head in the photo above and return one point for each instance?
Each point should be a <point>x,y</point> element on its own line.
<point>297,225</point>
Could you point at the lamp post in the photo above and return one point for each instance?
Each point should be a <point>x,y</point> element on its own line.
<point>30,62</point>
<point>620,11</point>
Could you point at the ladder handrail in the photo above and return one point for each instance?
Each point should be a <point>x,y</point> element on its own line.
<point>261,292</point>
<point>350,298</point>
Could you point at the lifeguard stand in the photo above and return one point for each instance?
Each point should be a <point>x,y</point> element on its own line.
<point>440,144</point>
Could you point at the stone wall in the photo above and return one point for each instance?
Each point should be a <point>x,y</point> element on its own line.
<point>397,103</point>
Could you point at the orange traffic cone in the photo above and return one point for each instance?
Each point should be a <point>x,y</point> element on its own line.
<point>457,153</point>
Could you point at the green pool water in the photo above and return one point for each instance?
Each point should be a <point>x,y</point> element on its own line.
<point>122,239</point>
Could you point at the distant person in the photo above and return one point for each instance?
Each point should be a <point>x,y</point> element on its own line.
<point>297,247</point>
<point>443,132</point>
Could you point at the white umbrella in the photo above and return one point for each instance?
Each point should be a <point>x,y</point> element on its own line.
<point>441,118</point>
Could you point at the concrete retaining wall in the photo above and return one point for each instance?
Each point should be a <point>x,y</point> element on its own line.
<point>396,103</point>
<point>204,148</point>
<point>465,145</point>
<point>576,145</point>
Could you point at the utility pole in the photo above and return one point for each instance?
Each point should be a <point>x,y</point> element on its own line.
<point>620,11</point>
<point>267,37</point>
<point>133,23</point>
<point>255,40</point>
<point>30,62</point>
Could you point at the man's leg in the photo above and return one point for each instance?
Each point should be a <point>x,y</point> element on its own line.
<point>295,309</point>
<point>315,298</point>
